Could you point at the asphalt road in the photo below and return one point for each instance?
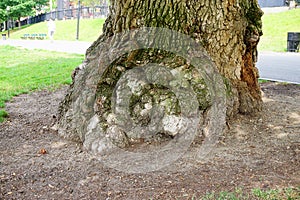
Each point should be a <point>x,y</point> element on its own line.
<point>283,67</point>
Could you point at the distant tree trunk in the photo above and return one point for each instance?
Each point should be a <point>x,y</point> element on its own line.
<point>228,30</point>
<point>4,26</point>
<point>19,22</point>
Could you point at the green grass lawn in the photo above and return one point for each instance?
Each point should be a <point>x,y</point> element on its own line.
<point>23,71</point>
<point>90,30</point>
<point>275,28</point>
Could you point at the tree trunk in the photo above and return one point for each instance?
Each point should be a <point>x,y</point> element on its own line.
<point>19,22</point>
<point>229,32</point>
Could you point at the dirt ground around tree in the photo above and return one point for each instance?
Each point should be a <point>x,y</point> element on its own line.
<point>261,151</point>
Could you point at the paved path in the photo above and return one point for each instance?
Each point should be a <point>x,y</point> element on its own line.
<point>272,66</point>
<point>268,10</point>
<point>60,46</point>
<point>279,66</point>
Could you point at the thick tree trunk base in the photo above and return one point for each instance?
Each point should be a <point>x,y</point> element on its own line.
<point>93,111</point>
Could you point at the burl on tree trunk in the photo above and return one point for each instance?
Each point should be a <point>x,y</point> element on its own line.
<point>229,31</point>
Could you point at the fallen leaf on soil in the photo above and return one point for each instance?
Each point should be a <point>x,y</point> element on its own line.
<point>43,151</point>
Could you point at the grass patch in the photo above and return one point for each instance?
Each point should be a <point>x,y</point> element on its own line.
<point>256,194</point>
<point>90,30</point>
<point>263,81</point>
<point>23,71</point>
<point>3,114</point>
<point>288,193</point>
<point>275,29</point>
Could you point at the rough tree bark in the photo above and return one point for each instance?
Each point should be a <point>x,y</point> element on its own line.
<point>228,30</point>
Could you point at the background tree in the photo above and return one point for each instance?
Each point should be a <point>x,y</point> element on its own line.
<point>90,3</point>
<point>52,5</point>
<point>3,15</point>
<point>20,8</point>
<point>228,30</point>
<point>40,4</point>
<point>94,3</point>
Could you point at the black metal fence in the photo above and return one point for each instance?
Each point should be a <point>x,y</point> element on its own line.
<point>85,13</point>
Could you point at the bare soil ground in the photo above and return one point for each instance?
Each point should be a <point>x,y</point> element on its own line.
<point>261,151</point>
